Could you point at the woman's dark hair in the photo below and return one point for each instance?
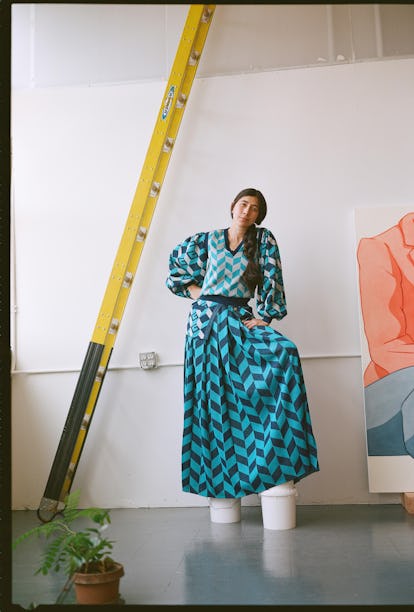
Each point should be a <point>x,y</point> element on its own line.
<point>252,275</point>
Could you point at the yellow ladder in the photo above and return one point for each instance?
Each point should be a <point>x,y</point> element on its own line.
<point>126,261</point>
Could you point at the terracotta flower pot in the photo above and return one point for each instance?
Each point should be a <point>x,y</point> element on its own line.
<point>99,588</point>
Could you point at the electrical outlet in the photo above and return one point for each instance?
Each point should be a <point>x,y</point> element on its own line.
<point>148,361</point>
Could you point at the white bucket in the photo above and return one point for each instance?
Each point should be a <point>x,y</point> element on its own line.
<point>225,510</point>
<point>279,506</point>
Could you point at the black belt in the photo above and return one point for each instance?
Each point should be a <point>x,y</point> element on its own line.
<point>224,299</point>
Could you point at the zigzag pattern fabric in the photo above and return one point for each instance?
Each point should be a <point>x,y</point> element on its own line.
<point>187,263</point>
<point>224,268</point>
<point>247,425</point>
<point>246,421</point>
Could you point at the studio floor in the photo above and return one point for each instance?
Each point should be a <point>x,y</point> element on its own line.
<point>340,555</point>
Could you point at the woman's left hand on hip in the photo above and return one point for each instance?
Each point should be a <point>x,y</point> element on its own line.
<point>250,323</point>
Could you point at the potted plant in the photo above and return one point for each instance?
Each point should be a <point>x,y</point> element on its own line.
<point>82,554</point>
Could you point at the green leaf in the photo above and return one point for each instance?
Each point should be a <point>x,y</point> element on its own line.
<point>67,549</point>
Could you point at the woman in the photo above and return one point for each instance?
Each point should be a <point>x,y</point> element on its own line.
<point>246,421</point>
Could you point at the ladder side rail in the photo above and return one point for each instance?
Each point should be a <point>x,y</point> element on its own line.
<point>127,259</point>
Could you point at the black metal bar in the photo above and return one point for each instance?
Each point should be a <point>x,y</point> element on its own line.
<point>73,422</point>
<point>88,424</point>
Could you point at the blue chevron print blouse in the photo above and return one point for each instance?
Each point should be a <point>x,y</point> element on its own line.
<point>206,260</point>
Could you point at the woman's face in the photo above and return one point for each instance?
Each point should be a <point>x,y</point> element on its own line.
<point>246,210</point>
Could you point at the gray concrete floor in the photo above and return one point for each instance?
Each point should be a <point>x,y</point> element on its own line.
<point>340,555</point>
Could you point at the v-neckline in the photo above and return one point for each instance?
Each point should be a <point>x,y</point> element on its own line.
<point>227,241</point>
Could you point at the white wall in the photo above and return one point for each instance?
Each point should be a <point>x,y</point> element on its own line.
<point>319,142</point>
<point>71,44</point>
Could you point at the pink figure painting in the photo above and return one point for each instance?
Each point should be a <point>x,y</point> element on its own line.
<point>386,283</point>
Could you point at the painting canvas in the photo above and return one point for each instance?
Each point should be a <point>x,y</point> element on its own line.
<point>385,265</point>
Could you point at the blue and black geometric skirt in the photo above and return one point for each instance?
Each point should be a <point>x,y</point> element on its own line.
<point>247,426</point>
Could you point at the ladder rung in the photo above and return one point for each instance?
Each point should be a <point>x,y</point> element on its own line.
<point>141,235</point>
<point>207,13</point>
<point>181,100</point>
<point>128,280</point>
<point>114,326</point>
<point>168,145</point>
<point>194,57</point>
<point>155,189</point>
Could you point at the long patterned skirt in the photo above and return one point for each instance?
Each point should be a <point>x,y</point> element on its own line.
<point>247,426</point>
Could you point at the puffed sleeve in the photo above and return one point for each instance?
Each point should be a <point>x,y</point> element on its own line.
<point>188,264</point>
<point>270,300</point>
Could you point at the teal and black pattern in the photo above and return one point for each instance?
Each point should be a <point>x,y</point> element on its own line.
<point>247,426</point>
<point>188,262</point>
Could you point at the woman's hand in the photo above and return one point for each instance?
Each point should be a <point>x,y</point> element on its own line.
<point>250,323</point>
<point>195,291</point>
